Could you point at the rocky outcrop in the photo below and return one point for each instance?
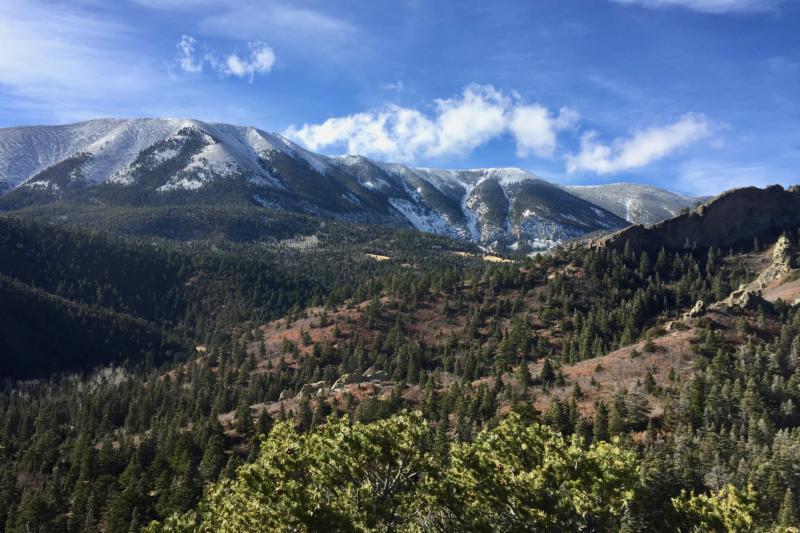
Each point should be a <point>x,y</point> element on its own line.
<point>745,297</point>
<point>373,374</point>
<point>320,388</point>
<point>733,218</point>
<point>751,295</point>
<point>347,379</point>
<point>698,310</point>
<point>782,260</point>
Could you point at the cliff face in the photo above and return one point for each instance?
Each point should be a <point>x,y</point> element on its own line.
<point>733,218</point>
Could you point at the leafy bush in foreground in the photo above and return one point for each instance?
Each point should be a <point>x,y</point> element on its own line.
<point>382,476</point>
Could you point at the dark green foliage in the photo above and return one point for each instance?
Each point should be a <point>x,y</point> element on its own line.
<point>116,448</point>
<point>41,334</point>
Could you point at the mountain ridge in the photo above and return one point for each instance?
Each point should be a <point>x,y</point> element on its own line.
<point>154,161</point>
<point>636,203</point>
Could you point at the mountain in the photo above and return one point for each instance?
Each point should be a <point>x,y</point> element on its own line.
<point>734,218</point>
<point>636,203</point>
<point>152,162</point>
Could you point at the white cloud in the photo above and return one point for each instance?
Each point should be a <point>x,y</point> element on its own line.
<point>640,149</point>
<point>187,58</point>
<point>465,123</point>
<point>260,60</point>
<point>709,6</point>
<point>535,128</point>
<point>458,126</point>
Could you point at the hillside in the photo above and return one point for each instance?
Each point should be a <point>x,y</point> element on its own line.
<point>241,264</point>
<point>320,334</point>
<point>592,353</point>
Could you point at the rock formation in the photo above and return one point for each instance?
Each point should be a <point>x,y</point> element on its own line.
<point>750,295</point>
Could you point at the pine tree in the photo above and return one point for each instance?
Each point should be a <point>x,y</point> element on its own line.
<point>244,420</point>
<point>787,515</point>
<point>523,376</point>
<point>305,415</point>
<point>547,375</point>
<point>600,429</point>
<point>319,414</point>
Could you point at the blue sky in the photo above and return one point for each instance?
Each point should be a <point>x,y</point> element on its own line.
<point>693,95</point>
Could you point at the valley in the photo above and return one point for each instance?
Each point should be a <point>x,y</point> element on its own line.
<point>220,323</point>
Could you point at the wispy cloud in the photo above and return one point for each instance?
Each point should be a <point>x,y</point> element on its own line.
<point>318,34</point>
<point>191,59</point>
<point>289,25</point>
<point>640,148</point>
<point>709,6</point>
<point>69,61</point>
<point>188,59</point>
<point>396,86</point>
<point>458,126</point>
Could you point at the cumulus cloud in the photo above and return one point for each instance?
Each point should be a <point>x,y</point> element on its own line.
<point>457,126</point>
<point>640,149</point>
<point>709,6</point>
<point>535,128</point>
<point>191,60</point>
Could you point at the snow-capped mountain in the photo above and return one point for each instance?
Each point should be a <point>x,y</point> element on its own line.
<point>162,161</point>
<point>636,203</point>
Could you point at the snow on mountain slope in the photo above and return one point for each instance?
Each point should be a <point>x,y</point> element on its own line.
<point>145,161</point>
<point>636,203</point>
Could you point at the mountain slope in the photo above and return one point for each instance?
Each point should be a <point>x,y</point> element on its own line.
<point>41,333</point>
<point>636,203</point>
<point>733,218</point>
<point>151,162</point>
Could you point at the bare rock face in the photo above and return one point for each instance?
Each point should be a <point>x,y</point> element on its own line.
<point>734,217</point>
